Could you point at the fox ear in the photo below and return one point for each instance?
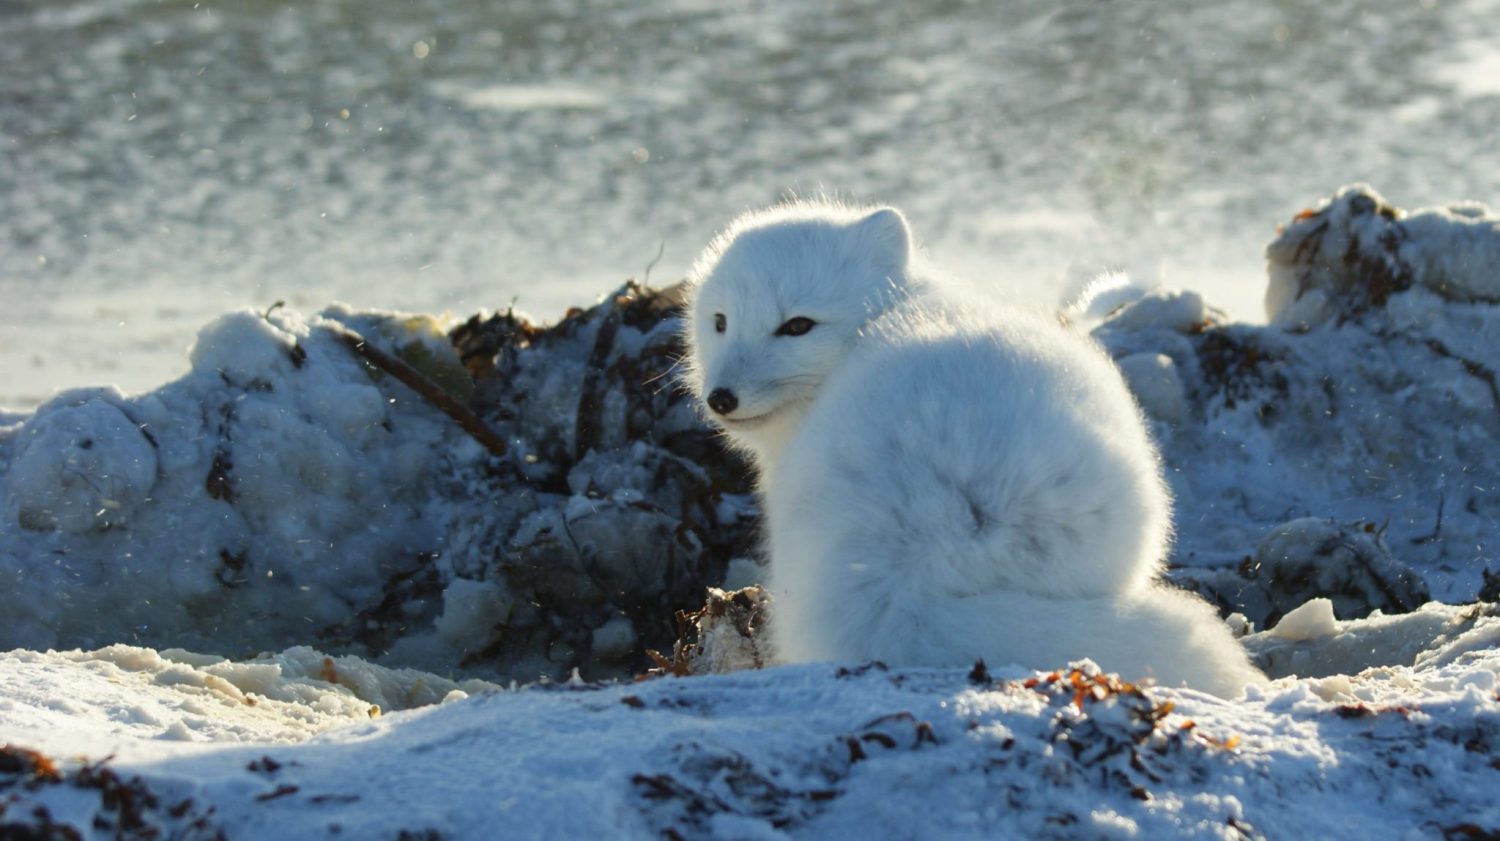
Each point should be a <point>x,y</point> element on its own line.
<point>883,235</point>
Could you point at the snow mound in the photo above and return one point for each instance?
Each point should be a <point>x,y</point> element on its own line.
<point>244,506</point>
<point>286,491</point>
<point>1380,424</point>
<point>1354,250</point>
<point>1307,560</point>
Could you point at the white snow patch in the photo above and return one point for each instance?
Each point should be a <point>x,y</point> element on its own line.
<point>1310,621</point>
<point>1170,309</point>
<point>808,751</point>
<point>1157,386</point>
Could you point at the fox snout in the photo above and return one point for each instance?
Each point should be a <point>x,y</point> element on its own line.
<point>722,401</point>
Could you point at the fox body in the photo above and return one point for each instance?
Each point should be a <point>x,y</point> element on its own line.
<point>944,479</point>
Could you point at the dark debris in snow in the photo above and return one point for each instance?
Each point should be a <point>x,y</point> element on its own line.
<point>127,809</point>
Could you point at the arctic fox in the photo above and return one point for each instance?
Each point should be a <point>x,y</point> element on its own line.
<point>944,479</point>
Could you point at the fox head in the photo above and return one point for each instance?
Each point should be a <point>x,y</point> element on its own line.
<point>777,301</point>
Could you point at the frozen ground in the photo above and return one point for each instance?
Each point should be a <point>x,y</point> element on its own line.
<point>809,751</point>
<point>1333,472</point>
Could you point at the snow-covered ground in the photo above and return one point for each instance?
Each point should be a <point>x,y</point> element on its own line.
<point>1333,471</point>
<point>815,751</point>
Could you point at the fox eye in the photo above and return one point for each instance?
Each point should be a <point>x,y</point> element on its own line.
<point>719,322</point>
<point>796,326</point>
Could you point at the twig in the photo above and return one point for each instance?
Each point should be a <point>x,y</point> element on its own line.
<point>1437,528</point>
<point>660,250</point>
<point>587,426</point>
<point>416,381</point>
<point>1471,367</point>
<point>1396,601</point>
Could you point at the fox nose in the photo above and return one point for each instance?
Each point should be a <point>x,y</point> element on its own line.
<point>722,401</point>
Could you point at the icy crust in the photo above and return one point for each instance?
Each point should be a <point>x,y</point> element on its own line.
<point>812,751</point>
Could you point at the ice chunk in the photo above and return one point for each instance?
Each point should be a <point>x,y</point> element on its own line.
<point>1312,620</point>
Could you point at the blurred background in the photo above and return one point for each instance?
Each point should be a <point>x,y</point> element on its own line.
<point>162,161</point>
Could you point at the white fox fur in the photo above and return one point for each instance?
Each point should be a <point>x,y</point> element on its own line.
<point>944,479</point>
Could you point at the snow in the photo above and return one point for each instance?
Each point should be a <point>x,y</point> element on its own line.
<point>1312,620</point>
<point>284,595</point>
<point>82,467</point>
<point>1380,422</point>
<point>266,489</point>
<point>1315,644</point>
<point>123,699</point>
<point>1154,380</point>
<point>806,751</point>
<point>1170,309</point>
<point>1357,239</point>
<point>285,492</point>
